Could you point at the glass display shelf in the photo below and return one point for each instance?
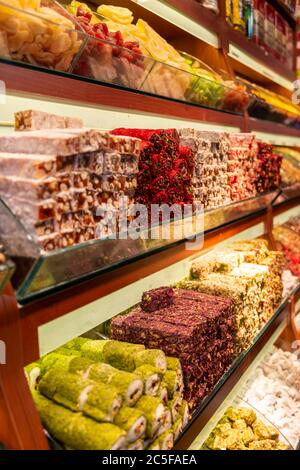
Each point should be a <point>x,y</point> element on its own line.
<point>102,61</point>
<point>244,356</point>
<point>41,273</point>
<point>6,271</point>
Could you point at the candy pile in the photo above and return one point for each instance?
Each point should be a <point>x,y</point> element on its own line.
<point>275,392</point>
<point>210,182</point>
<point>102,395</point>
<point>29,33</point>
<point>109,57</point>
<point>196,328</point>
<point>250,275</point>
<point>269,168</point>
<point>55,181</point>
<point>241,429</point>
<point>242,166</point>
<point>165,168</point>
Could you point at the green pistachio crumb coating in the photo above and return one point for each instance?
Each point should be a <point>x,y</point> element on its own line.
<point>177,428</point>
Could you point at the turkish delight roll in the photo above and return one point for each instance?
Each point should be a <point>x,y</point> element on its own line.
<point>170,380</point>
<point>121,355</point>
<point>165,441</point>
<point>100,401</point>
<point>173,363</point>
<point>50,143</point>
<point>32,374</point>
<point>165,422</point>
<point>76,431</point>
<point>184,413</point>
<point>153,357</point>
<point>177,428</point>
<point>118,163</point>
<point>150,377</point>
<point>130,386</point>
<point>132,421</point>
<point>153,410</point>
<point>157,298</point>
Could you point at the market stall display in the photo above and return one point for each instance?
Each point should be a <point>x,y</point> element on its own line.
<point>108,395</point>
